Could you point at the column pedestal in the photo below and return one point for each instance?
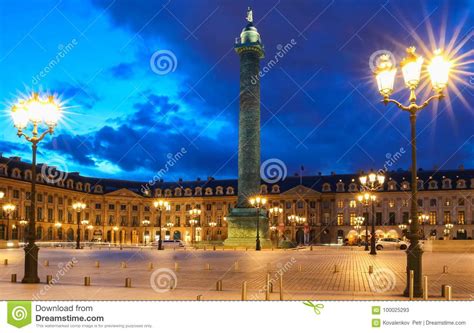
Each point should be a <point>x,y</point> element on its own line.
<point>242,228</point>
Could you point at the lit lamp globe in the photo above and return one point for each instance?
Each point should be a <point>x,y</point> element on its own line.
<point>411,68</point>
<point>439,71</point>
<point>35,109</point>
<point>51,112</point>
<point>385,75</point>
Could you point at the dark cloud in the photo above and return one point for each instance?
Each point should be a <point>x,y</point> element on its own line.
<point>122,71</point>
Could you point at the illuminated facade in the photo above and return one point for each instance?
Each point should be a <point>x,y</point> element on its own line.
<point>115,209</point>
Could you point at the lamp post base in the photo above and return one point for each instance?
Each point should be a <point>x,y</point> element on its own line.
<point>414,263</point>
<point>31,264</point>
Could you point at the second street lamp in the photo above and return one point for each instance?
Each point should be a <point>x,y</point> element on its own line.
<point>78,206</point>
<point>8,209</point>
<point>371,183</point>
<point>161,206</point>
<point>145,223</point>
<point>438,70</point>
<point>365,199</point>
<point>258,202</point>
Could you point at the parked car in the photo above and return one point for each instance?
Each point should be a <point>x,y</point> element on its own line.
<point>169,243</point>
<point>391,243</point>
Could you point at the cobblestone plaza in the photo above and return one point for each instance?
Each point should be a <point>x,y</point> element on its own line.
<point>335,273</point>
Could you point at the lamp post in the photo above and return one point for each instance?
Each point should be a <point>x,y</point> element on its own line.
<point>58,226</point>
<point>194,213</point>
<point>36,110</point>
<point>23,224</point>
<point>366,199</point>
<point>371,183</point>
<point>423,218</point>
<point>146,223</point>
<point>8,209</point>
<point>447,230</point>
<point>258,202</point>
<point>411,66</point>
<point>359,221</point>
<point>84,224</point>
<point>403,228</point>
<point>275,211</point>
<point>160,205</point>
<point>212,225</point>
<point>78,206</point>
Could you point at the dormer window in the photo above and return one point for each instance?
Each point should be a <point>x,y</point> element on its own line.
<point>219,190</point>
<point>326,187</point>
<point>275,189</point>
<point>158,193</point>
<point>230,190</point>
<point>79,186</point>
<point>198,191</point>
<point>177,192</point>
<point>70,183</point>
<point>433,185</point>
<point>420,184</point>
<point>340,187</point>
<point>16,173</point>
<point>3,170</point>
<point>461,183</point>
<point>167,192</point>
<point>188,192</point>
<point>353,187</point>
<point>263,189</point>
<point>98,189</point>
<point>87,187</point>
<point>446,183</point>
<point>392,185</point>
<point>28,175</point>
<point>208,191</point>
<point>405,185</point>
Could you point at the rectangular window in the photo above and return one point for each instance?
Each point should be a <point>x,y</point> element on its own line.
<point>352,204</point>
<point>405,203</point>
<point>123,207</point>
<point>378,218</point>
<point>461,217</point>
<point>405,217</point>
<point>178,208</point>
<point>177,221</point>
<point>340,219</point>
<point>135,208</point>
<point>312,204</point>
<point>60,215</point>
<point>16,194</point>
<point>300,204</point>
<point>39,214</point>
<point>447,217</point>
<point>392,218</point>
<point>98,206</point>
<point>69,217</point>
<point>352,218</point>
<point>50,199</point>
<point>60,200</point>
<point>340,204</point>
<point>288,204</point>
<point>50,214</point>
<point>433,220</point>
<point>98,220</point>
<point>39,198</point>
<point>461,201</point>
<point>208,207</point>
<point>391,203</point>
<point>111,206</point>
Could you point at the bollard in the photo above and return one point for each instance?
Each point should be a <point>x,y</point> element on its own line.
<point>87,280</point>
<point>208,267</point>
<point>371,269</point>
<point>445,269</point>
<point>281,287</point>
<point>412,282</point>
<point>97,264</point>
<point>46,263</point>
<point>124,264</point>
<point>246,249</point>
<point>448,292</point>
<point>272,248</point>
<point>443,287</point>
<point>150,265</point>
<point>223,248</point>
<point>270,286</point>
<point>425,288</point>
<point>336,269</point>
<point>236,266</point>
<point>204,248</point>
<point>244,291</point>
<point>199,298</point>
<point>172,284</point>
<point>176,266</point>
<point>214,248</point>
<point>5,262</point>
<point>311,248</point>
<point>13,279</point>
<point>219,285</point>
<point>267,288</point>
<point>300,268</point>
<point>49,279</point>
<point>121,248</point>
<point>128,283</point>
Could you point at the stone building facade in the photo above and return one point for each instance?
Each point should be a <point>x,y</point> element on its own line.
<point>115,209</point>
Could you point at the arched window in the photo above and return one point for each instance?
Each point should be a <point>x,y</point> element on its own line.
<point>275,189</point>
<point>87,187</point>
<point>167,192</point>
<point>392,185</point>
<point>70,183</point>
<point>230,190</point>
<point>198,191</point>
<point>16,173</point>
<point>79,186</point>
<point>340,187</point>
<point>219,190</point>
<point>208,191</point>
<point>433,184</point>
<point>263,189</point>
<point>28,175</point>
<point>188,192</point>
<point>177,192</point>
<point>461,183</point>
<point>353,187</point>
<point>446,183</point>
<point>98,189</point>
<point>326,187</point>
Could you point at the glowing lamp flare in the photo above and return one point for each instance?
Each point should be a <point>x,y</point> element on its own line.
<point>411,68</point>
<point>439,71</point>
<point>385,75</point>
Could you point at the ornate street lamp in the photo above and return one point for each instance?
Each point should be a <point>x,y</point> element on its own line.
<point>23,224</point>
<point>365,199</point>
<point>194,215</point>
<point>146,223</point>
<point>275,211</point>
<point>212,225</point>
<point>8,209</point>
<point>34,110</point>
<point>359,221</point>
<point>403,228</point>
<point>258,202</point>
<point>161,206</point>
<point>447,231</point>
<point>371,183</point>
<point>78,206</point>
<point>438,70</point>
<point>58,226</point>
<point>423,218</point>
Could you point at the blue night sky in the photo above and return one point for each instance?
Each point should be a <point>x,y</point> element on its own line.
<point>320,106</point>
